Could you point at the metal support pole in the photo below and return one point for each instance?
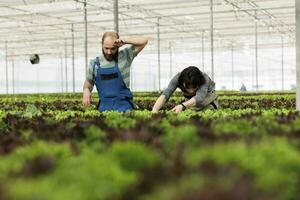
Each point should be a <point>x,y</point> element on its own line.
<point>171,60</point>
<point>256,53</point>
<point>73,58</point>
<point>212,39</point>
<point>116,16</point>
<point>62,73</point>
<point>66,65</point>
<point>58,76</point>
<point>6,68</point>
<point>158,52</point>
<point>282,64</point>
<point>298,53</point>
<point>37,81</point>
<point>202,51</point>
<point>85,37</point>
<point>13,75</point>
<point>232,67</point>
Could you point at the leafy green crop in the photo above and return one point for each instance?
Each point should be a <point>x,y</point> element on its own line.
<point>52,148</point>
<point>273,163</point>
<point>118,120</point>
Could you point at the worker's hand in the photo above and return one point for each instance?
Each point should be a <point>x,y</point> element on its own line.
<point>87,97</point>
<point>119,42</point>
<point>177,109</point>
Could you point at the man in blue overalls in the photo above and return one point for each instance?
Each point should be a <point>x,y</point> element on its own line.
<point>110,72</point>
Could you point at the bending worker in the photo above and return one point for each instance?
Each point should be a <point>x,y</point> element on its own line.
<point>110,72</point>
<point>197,87</point>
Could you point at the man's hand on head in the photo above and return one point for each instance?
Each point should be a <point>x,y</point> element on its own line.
<point>119,42</point>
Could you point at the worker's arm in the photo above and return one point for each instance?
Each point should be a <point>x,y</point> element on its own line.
<point>89,84</point>
<point>87,93</point>
<point>137,42</point>
<point>187,104</point>
<point>159,103</point>
<point>164,97</point>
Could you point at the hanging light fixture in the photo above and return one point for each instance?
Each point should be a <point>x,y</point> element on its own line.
<point>34,59</point>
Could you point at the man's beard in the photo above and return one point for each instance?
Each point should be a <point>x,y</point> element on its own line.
<point>111,57</point>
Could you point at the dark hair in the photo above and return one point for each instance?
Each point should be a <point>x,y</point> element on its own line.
<point>191,76</point>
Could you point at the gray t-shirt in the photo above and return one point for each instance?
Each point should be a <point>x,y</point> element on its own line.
<point>125,59</point>
<point>201,93</point>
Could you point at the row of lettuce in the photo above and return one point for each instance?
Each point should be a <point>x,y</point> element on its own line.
<point>242,121</point>
<point>73,102</point>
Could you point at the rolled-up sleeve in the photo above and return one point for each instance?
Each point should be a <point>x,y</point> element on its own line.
<point>90,75</point>
<point>202,91</point>
<point>129,52</point>
<point>171,87</point>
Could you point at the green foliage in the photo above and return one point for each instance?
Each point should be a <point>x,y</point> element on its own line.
<point>240,127</point>
<point>269,123</point>
<point>273,163</point>
<point>91,113</point>
<point>182,116</point>
<point>254,135</point>
<point>3,125</point>
<point>94,139</point>
<point>2,114</point>
<point>176,137</point>
<point>142,114</point>
<point>133,156</point>
<point>60,116</point>
<point>173,190</point>
<point>93,133</point>
<point>88,176</point>
<point>14,162</point>
<point>31,111</point>
<point>117,120</point>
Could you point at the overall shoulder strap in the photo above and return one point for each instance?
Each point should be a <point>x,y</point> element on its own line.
<point>97,62</point>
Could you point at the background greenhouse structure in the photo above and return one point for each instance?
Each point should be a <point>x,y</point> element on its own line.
<point>237,42</point>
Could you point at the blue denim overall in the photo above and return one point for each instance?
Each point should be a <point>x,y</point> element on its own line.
<point>112,91</point>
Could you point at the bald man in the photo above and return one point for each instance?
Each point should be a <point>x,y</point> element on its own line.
<point>110,72</point>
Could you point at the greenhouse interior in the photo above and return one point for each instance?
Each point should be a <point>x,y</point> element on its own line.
<point>149,100</point>
<point>253,42</point>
